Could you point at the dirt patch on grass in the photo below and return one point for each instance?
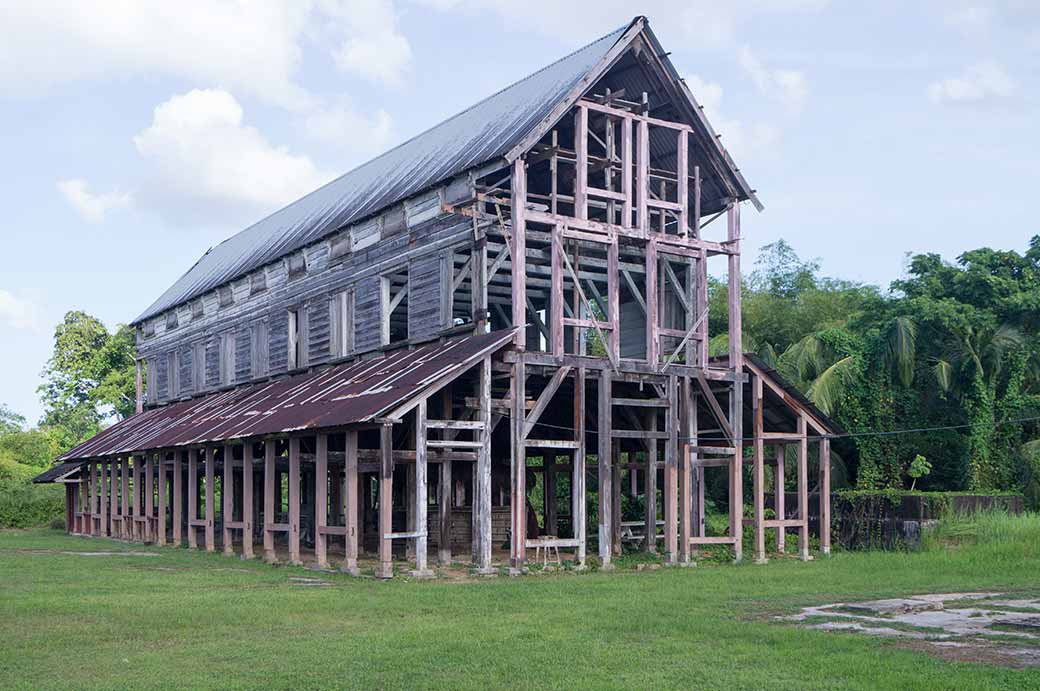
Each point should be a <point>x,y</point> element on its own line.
<point>973,627</point>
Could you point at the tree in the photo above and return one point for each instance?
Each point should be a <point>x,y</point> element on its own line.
<point>89,378</point>
<point>10,421</point>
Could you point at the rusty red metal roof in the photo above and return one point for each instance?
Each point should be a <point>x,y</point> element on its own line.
<point>351,393</point>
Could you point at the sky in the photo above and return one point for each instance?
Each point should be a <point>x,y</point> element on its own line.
<point>136,134</point>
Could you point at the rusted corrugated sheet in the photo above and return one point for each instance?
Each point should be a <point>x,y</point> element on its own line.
<point>58,472</point>
<point>475,136</point>
<point>351,393</point>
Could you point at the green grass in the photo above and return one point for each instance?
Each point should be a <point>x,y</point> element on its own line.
<point>188,619</point>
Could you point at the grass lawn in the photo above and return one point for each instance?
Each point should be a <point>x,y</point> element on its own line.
<point>195,620</point>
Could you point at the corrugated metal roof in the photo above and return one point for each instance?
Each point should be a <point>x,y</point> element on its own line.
<point>57,472</point>
<point>475,136</point>
<point>351,393</point>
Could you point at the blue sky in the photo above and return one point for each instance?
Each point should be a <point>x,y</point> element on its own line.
<point>137,135</point>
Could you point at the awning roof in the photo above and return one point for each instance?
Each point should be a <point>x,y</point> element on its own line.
<point>352,393</point>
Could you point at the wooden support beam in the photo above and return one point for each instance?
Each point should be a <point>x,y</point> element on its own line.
<point>779,497</point>
<point>759,484</point>
<point>294,501</point>
<point>683,181</point>
<point>642,176</point>
<point>227,495</point>
<point>653,341</point>
<point>421,495</point>
<point>103,514</point>
<point>825,495</point>
<point>113,501</point>
<point>386,502</point>
<point>687,417</point>
<point>519,251</point>
<point>247,501</point>
<point>626,172</point>
<point>671,470</point>
<point>605,469</point>
<point>518,484</point>
<point>578,508</point>
<point>193,498</point>
<point>483,469</point>
<point>270,477</point>
<point>211,463</point>
<point>615,497</point>
<point>556,299</point>
<point>803,490</point>
<point>351,507</point>
<point>736,363</point>
<point>321,500</point>
<point>545,398</point>
<point>160,518</point>
<point>581,150</point>
<point>126,521</point>
<point>650,484</point>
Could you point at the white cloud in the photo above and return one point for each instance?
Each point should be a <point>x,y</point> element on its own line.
<point>92,207</point>
<point>347,129</point>
<point>790,87</point>
<point>18,313</point>
<point>250,47</point>
<point>984,81</point>
<point>742,140</point>
<point>206,162</point>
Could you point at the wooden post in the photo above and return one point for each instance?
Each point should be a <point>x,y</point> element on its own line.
<point>140,533</point>
<point>650,486</point>
<point>578,467</point>
<point>386,501</point>
<point>478,287</point>
<point>247,500</point>
<point>421,495</point>
<point>556,299</point>
<point>653,342</point>
<point>825,495</point>
<point>160,519</point>
<point>803,490</point>
<point>605,482</point>
<point>294,501</point>
<point>778,498</point>
<point>518,486</point>
<point>227,495</point>
<point>270,473</point>
<point>626,172</point>
<point>736,363</point>
<point>127,531</point>
<point>139,398</point>
<point>643,176</point>
<point>518,252</point>
<point>581,154</point>
<point>444,505</point>
<point>615,497</point>
<point>671,462</point>
<point>350,508</point>
<point>178,492</point>
<point>321,500</point>
<point>103,495</point>
<point>193,498</point>
<point>686,412</point>
<point>759,484</point>
<point>613,301</point>
<point>483,467</point>
<point>149,497</point>
<point>211,482</point>
<point>113,498</point>
<point>682,175</point>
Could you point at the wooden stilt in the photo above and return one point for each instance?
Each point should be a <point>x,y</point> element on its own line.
<point>114,520</point>
<point>686,413</point>
<point>178,492</point>
<point>247,501</point>
<point>736,363</point>
<point>671,470</point>
<point>650,486</point>
<point>825,495</point>
<point>605,482</point>
<point>578,467</point>
<point>270,519</point>
<point>518,486</point>
<point>615,497</point>
<point>483,468</point>
<point>138,499</point>
<point>779,495</point>
<point>350,508</point>
<point>193,498</point>
<point>127,527</point>
<point>321,500</point>
<point>386,502</point>
<point>759,484</point>
<point>294,501</point>
<point>103,517</point>
<point>160,518</point>
<point>421,496</point>
<point>210,460</point>
<point>803,490</point>
<point>227,494</point>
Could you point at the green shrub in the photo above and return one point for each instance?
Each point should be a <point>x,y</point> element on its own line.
<point>24,505</point>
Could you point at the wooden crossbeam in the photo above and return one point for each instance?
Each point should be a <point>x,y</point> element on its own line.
<point>585,300</point>
<point>627,275</point>
<point>686,338</point>
<point>546,396</point>
<point>713,403</point>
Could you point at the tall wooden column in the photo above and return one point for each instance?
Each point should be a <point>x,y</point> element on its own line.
<point>483,469</point>
<point>578,514</point>
<point>140,533</point>
<point>160,521</point>
<point>227,501</point>
<point>321,500</point>
<point>779,497</point>
<point>518,252</point>
<point>294,501</point>
<point>116,525</point>
<point>518,486</point>
<point>103,495</point>
<point>270,477</point>
<point>350,508</point>
<point>210,459</point>
<point>444,505</point>
<point>193,498</point>
<point>615,497</point>
<point>247,500</point>
<point>736,363</point>
<point>178,492</point>
<point>687,418</point>
<point>606,504</point>
<point>386,501</point>
<point>149,497</point>
<point>421,503</point>
<point>671,472</point>
<point>650,484</point>
<point>803,489</point>
<point>759,484</point>
<point>825,495</point>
